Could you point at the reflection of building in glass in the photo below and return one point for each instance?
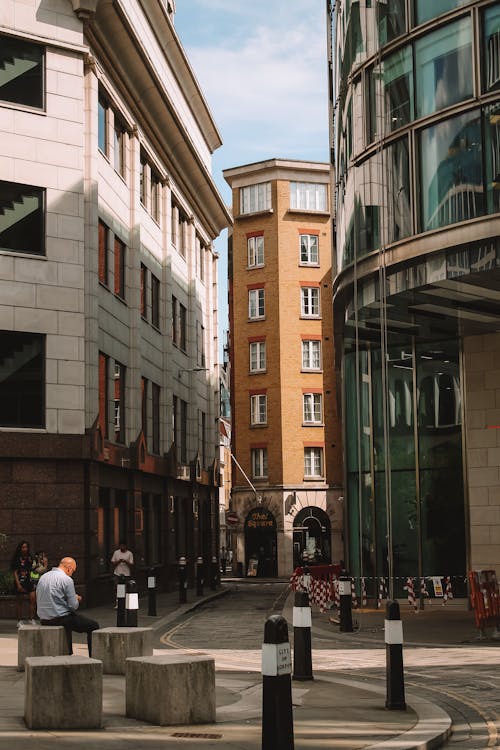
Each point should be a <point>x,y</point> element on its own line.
<point>416,146</point>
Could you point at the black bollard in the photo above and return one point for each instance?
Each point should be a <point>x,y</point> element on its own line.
<point>120,602</point>
<point>131,604</point>
<point>152,593</point>
<point>395,693</point>
<point>182,580</point>
<point>214,571</point>
<point>277,714</point>
<point>302,654</point>
<point>345,604</point>
<point>200,580</point>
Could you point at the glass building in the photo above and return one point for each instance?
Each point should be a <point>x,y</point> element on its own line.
<point>416,160</point>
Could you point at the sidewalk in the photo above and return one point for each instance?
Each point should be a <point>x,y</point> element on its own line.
<point>330,711</point>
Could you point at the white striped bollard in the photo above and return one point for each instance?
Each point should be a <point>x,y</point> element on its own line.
<point>395,688</point>
<point>151,593</point>
<point>131,604</point>
<point>302,653</point>
<point>345,604</point>
<point>277,714</point>
<point>121,588</point>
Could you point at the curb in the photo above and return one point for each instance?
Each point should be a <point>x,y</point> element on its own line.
<point>432,728</point>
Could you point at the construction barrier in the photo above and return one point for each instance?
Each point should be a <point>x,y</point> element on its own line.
<point>484,598</point>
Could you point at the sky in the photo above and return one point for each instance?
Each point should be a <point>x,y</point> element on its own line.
<point>262,66</point>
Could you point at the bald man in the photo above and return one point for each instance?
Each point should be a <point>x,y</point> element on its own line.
<point>57,602</point>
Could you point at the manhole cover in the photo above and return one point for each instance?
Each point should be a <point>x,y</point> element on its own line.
<point>198,735</point>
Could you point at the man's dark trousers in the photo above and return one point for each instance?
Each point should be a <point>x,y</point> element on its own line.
<point>78,624</point>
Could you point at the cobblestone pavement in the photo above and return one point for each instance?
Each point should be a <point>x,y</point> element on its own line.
<point>463,679</point>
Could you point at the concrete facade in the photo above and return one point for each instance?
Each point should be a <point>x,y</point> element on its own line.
<point>123,292</point>
<point>284,433</point>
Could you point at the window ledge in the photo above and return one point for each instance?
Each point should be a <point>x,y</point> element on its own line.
<point>326,214</point>
<point>264,212</point>
<point>156,328</point>
<point>313,424</point>
<point>314,479</point>
<point>310,317</point>
<point>310,370</point>
<point>257,372</point>
<point>104,285</point>
<point>17,254</point>
<point>121,299</point>
<point>304,264</point>
<point>256,320</point>
<point>258,426</point>
<point>23,108</point>
<point>31,430</point>
<point>257,265</point>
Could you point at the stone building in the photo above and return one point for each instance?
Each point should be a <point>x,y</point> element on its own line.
<point>108,288</point>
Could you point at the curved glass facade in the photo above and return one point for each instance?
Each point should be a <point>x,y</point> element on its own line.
<point>416,138</point>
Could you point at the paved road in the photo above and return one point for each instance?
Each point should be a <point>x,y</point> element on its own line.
<point>462,679</point>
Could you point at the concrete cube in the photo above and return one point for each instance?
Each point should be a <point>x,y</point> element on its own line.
<point>63,692</point>
<point>40,640</point>
<point>114,645</point>
<point>170,689</point>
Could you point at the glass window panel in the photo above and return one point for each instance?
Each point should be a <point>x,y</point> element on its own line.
<point>102,136</point>
<point>22,71</point>
<point>391,19</point>
<point>443,67</point>
<point>491,48</point>
<point>451,178</point>
<point>22,379</point>
<point>492,156</point>
<point>22,228</point>
<point>426,9</point>
<point>397,80</point>
<point>399,203</point>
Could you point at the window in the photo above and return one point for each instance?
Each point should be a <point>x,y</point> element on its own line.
<point>119,268</point>
<point>103,252</point>
<point>491,49</point>
<point>179,324</point>
<point>451,183</point>
<point>396,74</point>
<point>313,462</point>
<point>309,301</point>
<point>103,394</point>
<point>309,249</point>
<point>391,19</point>
<point>259,463</point>
<point>143,179</point>
<point>22,66</point>
<point>102,124</point>
<point>179,229</point>
<point>144,291</point>
<point>311,355</point>
<point>313,408</point>
<point>257,356</point>
<point>22,226</point>
<point>119,146</point>
<point>256,306</point>
<point>308,196</point>
<point>155,190</point>
<point>443,67</point>
<point>200,255</point>
<point>22,381</point>
<point>202,426</point>
<point>119,403</point>
<point>200,345</point>
<point>144,407</point>
<point>255,251</point>
<point>155,301</point>
<point>183,431</point>
<point>258,409</point>
<point>155,397</point>
<point>255,198</point>
<point>424,10</point>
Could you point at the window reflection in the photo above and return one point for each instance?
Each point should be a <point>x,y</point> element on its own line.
<point>491,49</point>
<point>443,66</point>
<point>425,9</point>
<point>391,20</point>
<point>453,190</point>
<point>399,204</point>
<point>492,156</point>
<point>397,76</point>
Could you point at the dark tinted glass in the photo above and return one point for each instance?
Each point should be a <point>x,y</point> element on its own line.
<point>21,379</point>
<point>21,66</point>
<point>21,218</point>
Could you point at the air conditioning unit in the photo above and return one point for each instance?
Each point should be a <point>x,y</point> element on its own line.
<point>184,472</point>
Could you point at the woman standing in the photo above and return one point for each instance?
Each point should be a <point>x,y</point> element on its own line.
<point>21,565</point>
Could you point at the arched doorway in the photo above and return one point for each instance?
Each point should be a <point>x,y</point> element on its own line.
<point>311,534</point>
<point>260,543</point>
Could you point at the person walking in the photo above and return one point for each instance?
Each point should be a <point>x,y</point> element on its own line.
<point>21,566</point>
<point>57,603</point>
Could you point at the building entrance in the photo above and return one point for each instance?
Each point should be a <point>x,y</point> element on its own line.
<point>261,543</point>
<point>311,536</point>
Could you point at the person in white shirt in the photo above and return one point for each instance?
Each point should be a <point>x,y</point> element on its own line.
<point>57,602</point>
<point>122,562</point>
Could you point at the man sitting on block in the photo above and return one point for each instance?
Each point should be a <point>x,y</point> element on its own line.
<point>57,602</point>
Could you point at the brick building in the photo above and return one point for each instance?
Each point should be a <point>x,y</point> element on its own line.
<point>108,288</point>
<point>285,434</point>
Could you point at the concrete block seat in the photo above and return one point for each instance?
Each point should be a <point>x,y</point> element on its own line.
<point>63,692</point>
<point>170,689</point>
<point>114,645</point>
<point>40,640</point>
